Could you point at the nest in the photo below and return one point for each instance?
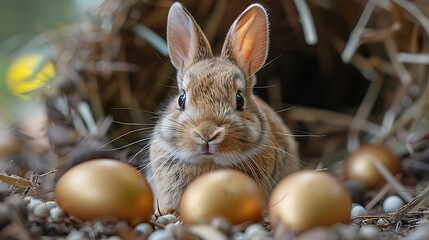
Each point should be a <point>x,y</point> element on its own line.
<point>349,72</point>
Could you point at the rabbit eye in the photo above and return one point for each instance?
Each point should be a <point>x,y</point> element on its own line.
<point>182,100</point>
<point>240,101</point>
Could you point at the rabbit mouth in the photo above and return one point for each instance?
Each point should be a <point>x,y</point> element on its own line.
<point>206,149</point>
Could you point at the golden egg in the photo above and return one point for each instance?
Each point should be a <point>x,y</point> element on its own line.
<point>360,165</point>
<point>309,199</point>
<point>105,187</point>
<point>228,194</point>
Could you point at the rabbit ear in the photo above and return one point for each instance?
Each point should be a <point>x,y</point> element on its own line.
<point>186,42</point>
<point>246,43</point>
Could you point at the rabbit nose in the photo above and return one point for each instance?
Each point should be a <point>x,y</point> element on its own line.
<point>208,131</point>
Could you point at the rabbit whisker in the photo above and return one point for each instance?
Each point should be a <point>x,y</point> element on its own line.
<point>133,123</point>
<point>124,146</point>
<point>190,119</point>
<point>304,134</point>
<point>123,135</point>
<point>135,109</point>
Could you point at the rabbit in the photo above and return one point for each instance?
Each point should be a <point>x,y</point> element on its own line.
<point>215,121</point>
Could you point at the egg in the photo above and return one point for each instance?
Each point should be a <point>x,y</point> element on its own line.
<point>105,187</point>
<point>229,194</point>
<point>307,199</point>
<point>360,165</point>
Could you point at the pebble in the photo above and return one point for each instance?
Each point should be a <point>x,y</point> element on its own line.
<point>206,232</point>
<point>114,238</point>
<point>255,231</point>
<point>382,222</point>
<point>368,232</point>
<point>334,232</point>
<point>239,236</point>
<point>357,211</point>
<point>76,235</point>
<point>41,210</point>
<point>27,199</point>
<point>163,220</point>
<point>33,203</point>
<point>160,235</point>
<point>392,203</point>
<point>171,218</point>
<point>51,204</point>
<point>57,214</point>
<point>144,229</point>
<point>222,225</point>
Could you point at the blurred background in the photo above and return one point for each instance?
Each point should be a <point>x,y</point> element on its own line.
<point>81,80</point>
<point>340,73</point>
<point>23,24</point>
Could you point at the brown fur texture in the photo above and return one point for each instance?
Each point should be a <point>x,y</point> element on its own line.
<point>212,131</point>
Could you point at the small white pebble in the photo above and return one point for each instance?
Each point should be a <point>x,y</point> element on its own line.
<point>170,227</point>
<point>27,199</point>
<point>57,214</point>
<point>355,204</point>
<point>171,218</point>
<point>42,211</point>
<point>204,231</point>
<point>114,238</point>
<point>144,229</point>
<point>357,211</point>
<point>160,235</point>
<point>239,236</point>
<point>382,222</point>
<point>369,232</point>
<point>33,203</point>
<point>392,203</point>
<point>221,224</point>
<point>255,231</point>
<point>162,220</point>
<point>76,235</point>
<point>51,204</point>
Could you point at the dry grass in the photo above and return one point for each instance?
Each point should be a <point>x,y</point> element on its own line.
<point>354,72</point>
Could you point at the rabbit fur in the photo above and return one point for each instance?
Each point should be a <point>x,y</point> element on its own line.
<point>215,121</point>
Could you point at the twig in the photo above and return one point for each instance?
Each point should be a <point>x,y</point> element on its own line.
<point>377,198</point>
<point>415,12</point>
<point>335,118</point>
<point>411,113</point>
<point>409,206</point>
<point>399,68</point>
<point>15,180</point>
<point>399,188</point>
<point>370,35</point>
<point>363,112</point>
<point>413,58</point>
<point>307,22</point>
<point>354,40</point>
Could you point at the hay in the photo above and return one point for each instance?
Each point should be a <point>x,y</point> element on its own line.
<point>354,72</point>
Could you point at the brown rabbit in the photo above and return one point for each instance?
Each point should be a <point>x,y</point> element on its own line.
<point>216,121</point>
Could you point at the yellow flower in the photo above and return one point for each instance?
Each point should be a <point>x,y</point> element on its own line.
<point>29,73</point>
